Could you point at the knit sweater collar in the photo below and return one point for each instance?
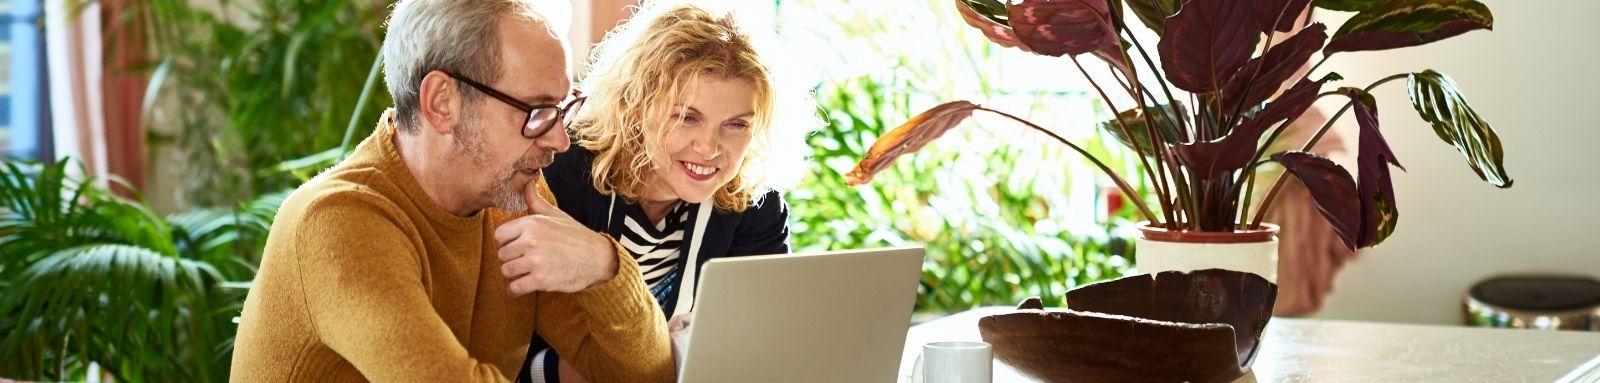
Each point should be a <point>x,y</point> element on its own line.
<point>382,151</point>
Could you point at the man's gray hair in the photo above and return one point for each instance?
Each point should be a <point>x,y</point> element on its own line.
<point>460,37</point>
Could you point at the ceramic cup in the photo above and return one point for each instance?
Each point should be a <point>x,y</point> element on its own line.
<point>954,362</point>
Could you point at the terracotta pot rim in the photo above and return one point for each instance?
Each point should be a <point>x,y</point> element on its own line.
<point>1160,234</point>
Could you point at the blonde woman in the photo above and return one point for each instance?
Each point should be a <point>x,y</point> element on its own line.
<point>673,149</point>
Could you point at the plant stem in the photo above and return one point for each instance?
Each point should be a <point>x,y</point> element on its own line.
<point>1159,79</point>
<point>1267,203</point>
<point>1249,180</point>
<point>1137,148</point>
<point>1368,89</point>
<point>361,103</point>
<point>1319,65</point>
<point>1133,195</point>
<point>1180,181</point>
<point>1157,143</point>
<point>1272,138</point>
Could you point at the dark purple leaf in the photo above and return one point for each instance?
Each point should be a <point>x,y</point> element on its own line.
<point>1346,5</point>
<point>1288,106</point>
<point>1206,42</point>
<point>1062,27</point>
<point>1113,54</point>
<point>1405,23</point>
<point>1237,149</point>
<point>1331,188</point>
<point>1263,75</point>
<point>1212,159</point>
<point>1278,14</point>
<point>1373,157</point>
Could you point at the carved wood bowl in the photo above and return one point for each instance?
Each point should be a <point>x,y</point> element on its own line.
<point>1202,326</point>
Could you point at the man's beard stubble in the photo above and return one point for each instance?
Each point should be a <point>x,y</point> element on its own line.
<point>504,192</point>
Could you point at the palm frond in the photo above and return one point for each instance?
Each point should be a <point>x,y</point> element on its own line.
<point>141,314</point>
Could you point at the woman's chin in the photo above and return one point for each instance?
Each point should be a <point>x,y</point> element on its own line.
<point>694,194</point>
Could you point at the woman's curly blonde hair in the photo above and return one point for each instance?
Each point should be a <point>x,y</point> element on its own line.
<point>637,76</point>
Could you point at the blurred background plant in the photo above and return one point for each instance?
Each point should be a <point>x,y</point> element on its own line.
<point>250,98</point>
<point>91,278</point>
<point>238,88</point>
<point>1000,227</point>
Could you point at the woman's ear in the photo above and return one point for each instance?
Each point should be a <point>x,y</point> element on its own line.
<point>439,102</point>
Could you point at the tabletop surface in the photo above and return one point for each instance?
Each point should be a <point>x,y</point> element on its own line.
<point>1314,350</point>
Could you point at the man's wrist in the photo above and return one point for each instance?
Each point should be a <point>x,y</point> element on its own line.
<point>609,262</point>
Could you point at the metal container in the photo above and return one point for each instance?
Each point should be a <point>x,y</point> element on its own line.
<point>1543,302</point>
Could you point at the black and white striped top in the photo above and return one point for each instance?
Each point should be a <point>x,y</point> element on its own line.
<point>656,247</point>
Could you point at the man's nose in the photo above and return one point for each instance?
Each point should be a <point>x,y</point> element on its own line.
<point>555,140</point>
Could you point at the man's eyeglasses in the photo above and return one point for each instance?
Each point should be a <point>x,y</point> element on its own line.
<point>541,117</point>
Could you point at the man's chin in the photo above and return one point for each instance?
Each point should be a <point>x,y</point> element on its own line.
<point>511,203</point>
<point>508,195</point>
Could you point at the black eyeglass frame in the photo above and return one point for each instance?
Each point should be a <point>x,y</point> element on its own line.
<point>561,112</point>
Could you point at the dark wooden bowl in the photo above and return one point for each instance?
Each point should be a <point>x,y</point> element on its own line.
<point>1203,326</point>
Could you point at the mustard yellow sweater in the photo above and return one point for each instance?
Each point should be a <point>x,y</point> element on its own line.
<point>364,278</point>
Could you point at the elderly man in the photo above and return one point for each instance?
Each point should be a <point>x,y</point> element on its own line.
<point>403,263</point>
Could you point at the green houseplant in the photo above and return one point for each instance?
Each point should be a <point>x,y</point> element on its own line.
<point>238,88</point>
<point>977,222</point>
<point>88,277</point>
<point>1201,151</point>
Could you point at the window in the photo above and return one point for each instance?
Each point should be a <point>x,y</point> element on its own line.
<point>23,107</point>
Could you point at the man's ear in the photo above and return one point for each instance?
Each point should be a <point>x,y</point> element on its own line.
<point>439,101</point>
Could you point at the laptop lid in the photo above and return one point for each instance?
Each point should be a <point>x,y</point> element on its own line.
<point>814,317</point>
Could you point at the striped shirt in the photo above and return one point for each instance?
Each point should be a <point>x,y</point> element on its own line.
<point>656,247</point>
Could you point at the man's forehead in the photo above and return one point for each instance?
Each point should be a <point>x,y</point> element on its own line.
<point>534,62</point>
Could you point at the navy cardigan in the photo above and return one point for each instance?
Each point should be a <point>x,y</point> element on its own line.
<point>761,229</point>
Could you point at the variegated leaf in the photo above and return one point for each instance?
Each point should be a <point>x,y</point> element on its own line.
<point>1438,100</point>
<point>992,26</point>
<point>1063,27</point>
<point>1405,23</point>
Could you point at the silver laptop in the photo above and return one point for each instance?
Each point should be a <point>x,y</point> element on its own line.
<point>816,317</point>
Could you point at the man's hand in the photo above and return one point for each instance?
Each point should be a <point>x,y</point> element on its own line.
<point>549,251</point>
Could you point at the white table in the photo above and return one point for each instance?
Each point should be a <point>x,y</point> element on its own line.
<point>1312,350</point>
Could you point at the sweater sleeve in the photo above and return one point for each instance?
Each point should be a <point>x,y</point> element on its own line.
<point>362,280</point>
<point>612,332</point>
<point>764,228</point>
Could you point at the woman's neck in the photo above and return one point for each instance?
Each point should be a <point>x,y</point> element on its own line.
<point>655,211</point>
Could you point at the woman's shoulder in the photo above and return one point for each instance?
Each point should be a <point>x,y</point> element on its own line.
<point>766,206</point>
<point>569,176</point>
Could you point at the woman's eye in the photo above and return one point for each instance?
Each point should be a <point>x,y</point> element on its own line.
<point>687,119</point>
<point>738,126</point>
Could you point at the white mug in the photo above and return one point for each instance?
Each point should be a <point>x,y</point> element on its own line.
<point>954,362</point>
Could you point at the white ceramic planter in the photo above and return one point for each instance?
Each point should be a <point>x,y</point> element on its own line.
<point>1253,252</point>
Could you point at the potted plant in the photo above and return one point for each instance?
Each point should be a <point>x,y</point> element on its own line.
<point>1202,127</point>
